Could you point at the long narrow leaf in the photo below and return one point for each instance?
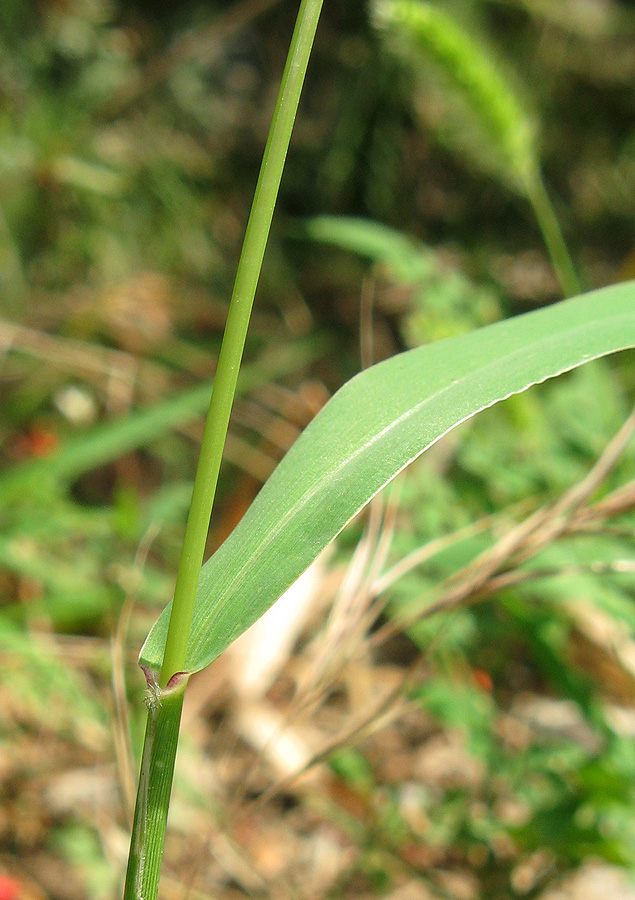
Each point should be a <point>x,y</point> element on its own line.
<point>371,429</point>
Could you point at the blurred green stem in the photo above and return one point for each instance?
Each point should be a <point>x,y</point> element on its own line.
<point>552,233</point>
<point>157,765</point>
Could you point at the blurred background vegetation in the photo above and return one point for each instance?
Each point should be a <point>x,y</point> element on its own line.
<point>377,750</point>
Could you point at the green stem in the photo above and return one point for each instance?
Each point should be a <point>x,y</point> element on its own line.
<point>552,234</point>
<point>166,696</point>
<point>153,795</point>
<point>231,352</point>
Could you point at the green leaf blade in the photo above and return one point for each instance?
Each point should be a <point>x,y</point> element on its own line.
<point>377,424</point>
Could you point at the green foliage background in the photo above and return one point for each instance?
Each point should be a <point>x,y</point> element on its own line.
<point>130,136</point>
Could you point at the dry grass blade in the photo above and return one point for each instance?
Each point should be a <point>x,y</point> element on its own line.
<point>425,553</point>
<point>390,707</point>
<point>73,355</point>
<point>346,609</point>
<point>619,501</point>
<point>275,429</point>
<point>580,493</point>
<point>567,516</point>
<point>121,729</point>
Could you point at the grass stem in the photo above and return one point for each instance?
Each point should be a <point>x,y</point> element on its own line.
<point>166,696</point>
<point>153,794</point>
<point>552,234</point>
<point>247,277</point>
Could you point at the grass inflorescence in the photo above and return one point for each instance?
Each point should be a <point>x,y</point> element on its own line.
<point>507,133</point>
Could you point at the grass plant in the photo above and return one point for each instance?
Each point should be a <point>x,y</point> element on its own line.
<point>63,560</point>
<point>166,692</point>
<point>374,427</point>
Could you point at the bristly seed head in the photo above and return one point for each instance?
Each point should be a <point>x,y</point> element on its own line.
<point>427,29</point>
